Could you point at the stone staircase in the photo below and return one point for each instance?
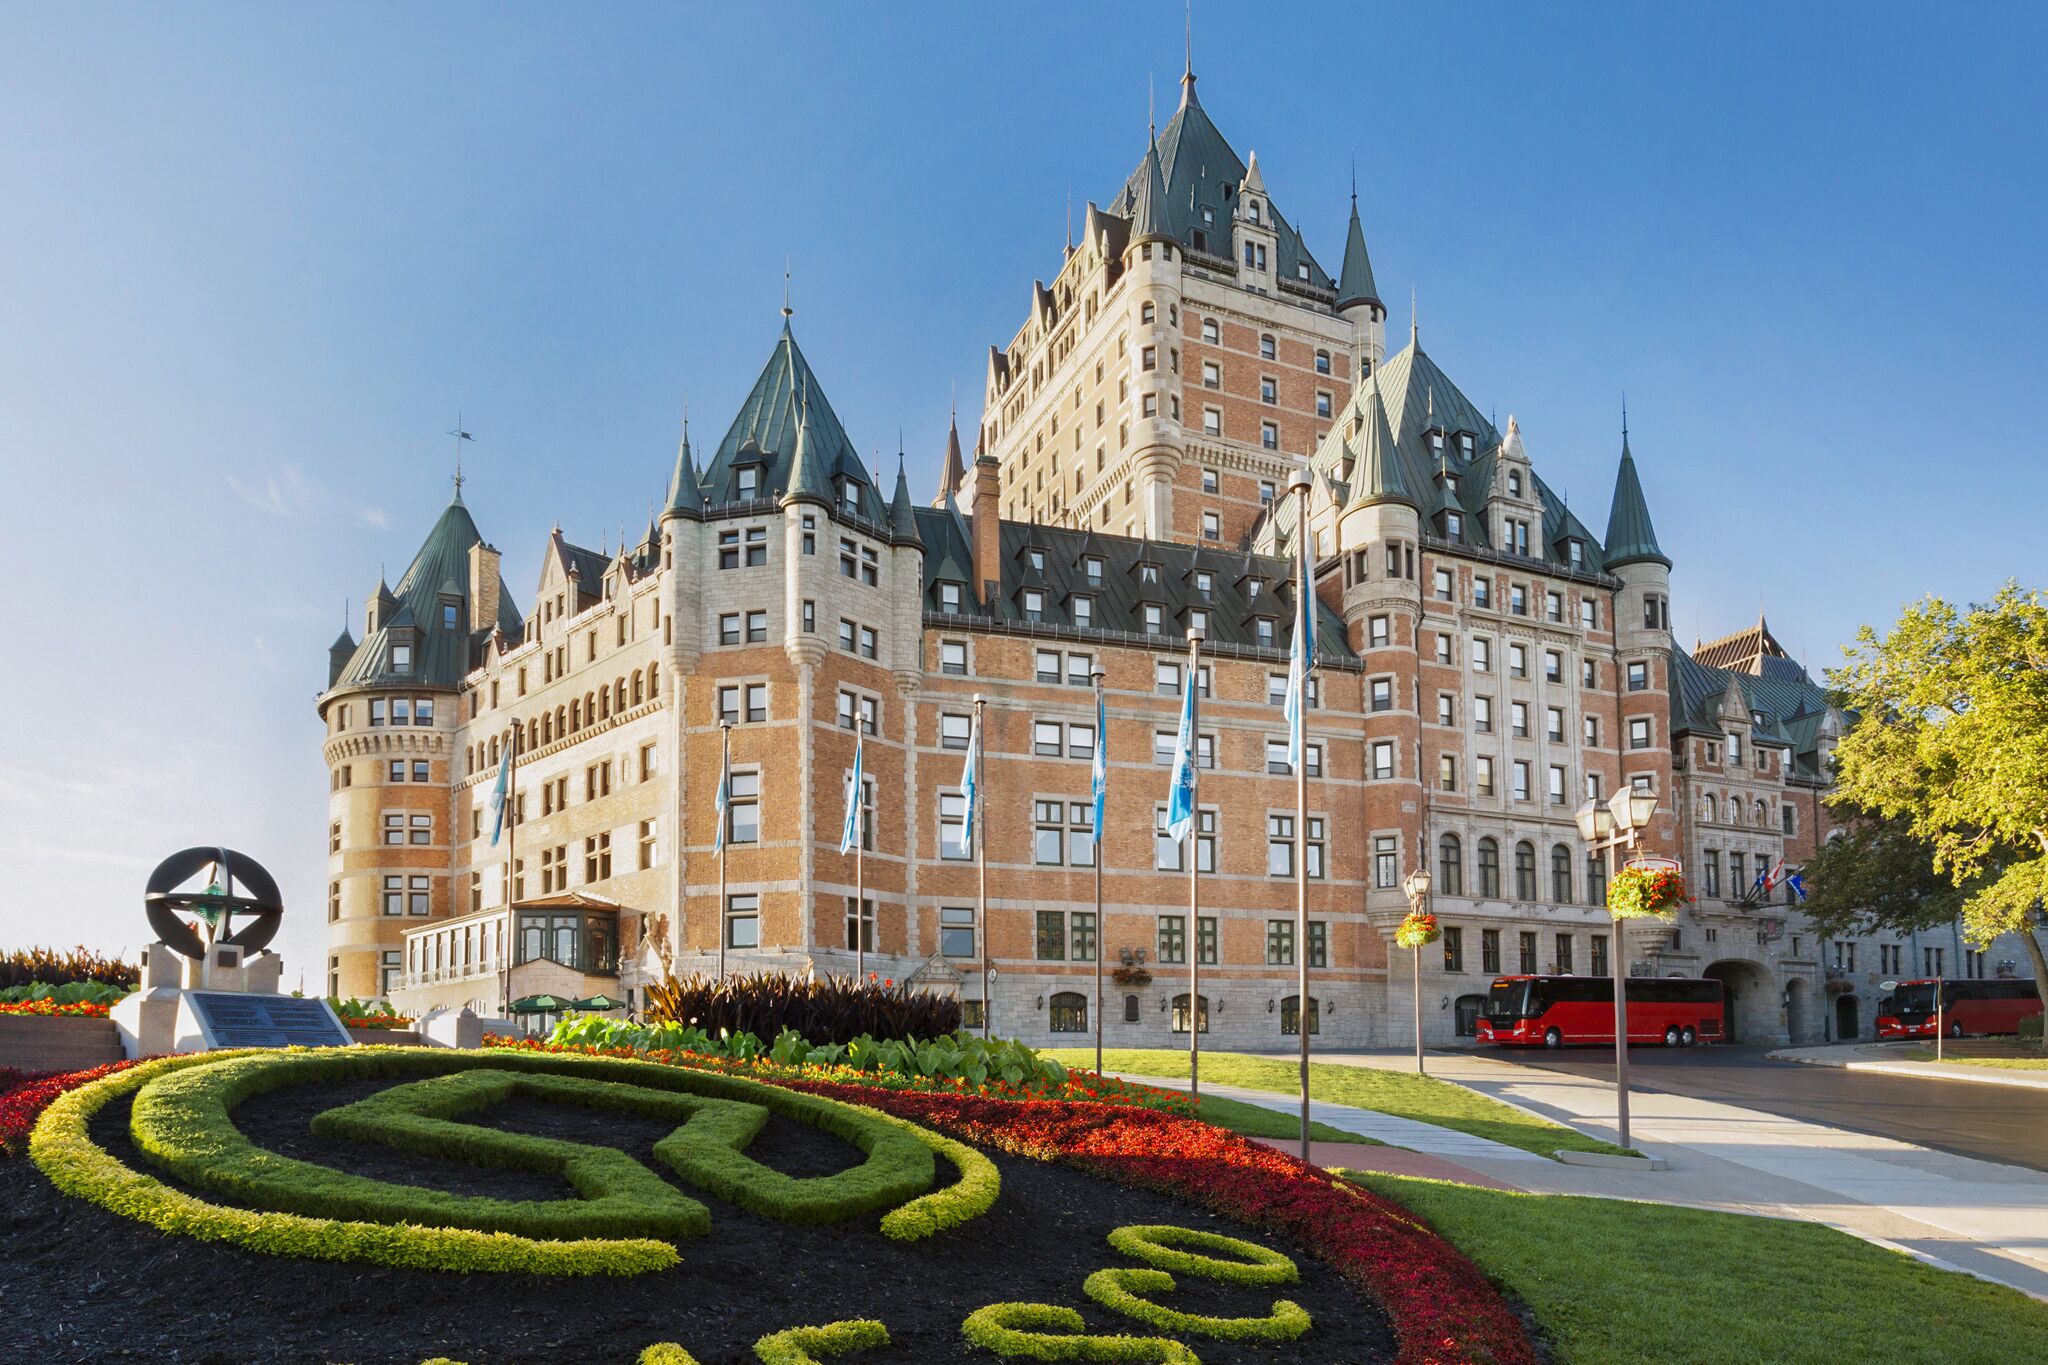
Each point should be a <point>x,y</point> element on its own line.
<point>43,1043</point>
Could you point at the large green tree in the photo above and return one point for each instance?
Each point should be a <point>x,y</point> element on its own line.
<point>1877,874</point>
<point>1951,742</point>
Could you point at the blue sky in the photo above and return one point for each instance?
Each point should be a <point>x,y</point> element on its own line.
<point>254,259</point>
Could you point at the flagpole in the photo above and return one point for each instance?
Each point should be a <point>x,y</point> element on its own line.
<point>1101,934</point>
<point>860,867</point>
<point>511,817</point>
<point>1304,604</point>
<point>988,1004</point>
<point>725,790</point>
<point>1195,865</point>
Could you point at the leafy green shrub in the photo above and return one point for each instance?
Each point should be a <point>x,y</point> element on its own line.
<point>1164,1247</point>
<point>69,993</point>
<point>967,1198</point>
<point>959,1056</point>
<point>822,1009</point>
<point>666,1353</point>
<point>25,966</point>
<point>1123,1289</point>
<point>2030,1028</point>
<point>1017,1331</point>
<point>803,1345</point>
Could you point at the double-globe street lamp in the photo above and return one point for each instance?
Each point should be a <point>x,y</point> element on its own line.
<point>1620,823</point>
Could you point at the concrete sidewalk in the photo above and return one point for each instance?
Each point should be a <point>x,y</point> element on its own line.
<point>1978,1216</point>
<point>1885,1058</point>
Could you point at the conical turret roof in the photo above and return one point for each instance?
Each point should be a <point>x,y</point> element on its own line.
<point>953,473</point>
<point>1150,217</point>
<point>1378,476</point>
<point>685,489</point>
<point>902,513</point>
<point>1631,539</point>
<point>809,479</point>
<point>1355,283</point>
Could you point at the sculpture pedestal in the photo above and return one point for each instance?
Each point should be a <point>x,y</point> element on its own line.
<point>196,1004</point>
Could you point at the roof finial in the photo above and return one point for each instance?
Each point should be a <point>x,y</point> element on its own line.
<point>460,436</point>
<point>954,406</point>
<point>1070,220</point>
<point>1151,121</point>
<point>1188,75</point>
<point>787,311</point>
<point>1354,184</point>
<point>1414,321</point>
<point>1624,417</point>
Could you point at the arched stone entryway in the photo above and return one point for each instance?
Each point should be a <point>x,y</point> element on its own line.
<point>1755,1008</point>
<point>1848,1018</point>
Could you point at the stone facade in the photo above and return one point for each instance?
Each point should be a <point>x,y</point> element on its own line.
<point>1486,663</point>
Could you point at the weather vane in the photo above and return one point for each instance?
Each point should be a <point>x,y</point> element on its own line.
<point>460,435</point>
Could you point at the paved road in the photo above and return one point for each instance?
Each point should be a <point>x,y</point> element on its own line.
<point>1990,1122</point>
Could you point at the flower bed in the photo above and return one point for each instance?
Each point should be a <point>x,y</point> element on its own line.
<point>25,1094</point>
<point>52,1009</point>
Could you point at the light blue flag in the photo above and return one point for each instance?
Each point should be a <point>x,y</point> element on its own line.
<point>849,831</point>
<point>1300,659</point>
<point>723,800</point>
<point>970,783</point>
<point>1099,780</point>
<point>501,796</point>
<point>1180,801</point>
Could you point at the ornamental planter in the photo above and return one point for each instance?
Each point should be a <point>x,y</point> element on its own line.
<point>1639,892</point>
<point>1418,930</point>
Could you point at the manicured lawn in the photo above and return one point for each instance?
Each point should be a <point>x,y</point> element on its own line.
<point>1403,1094</point>
<point>1252,1121</point>
<point>1618,1283</point>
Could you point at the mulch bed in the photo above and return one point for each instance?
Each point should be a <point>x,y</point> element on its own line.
<point>84,1285</point>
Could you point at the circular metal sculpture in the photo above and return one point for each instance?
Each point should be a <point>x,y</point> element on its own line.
<point>171,910</point>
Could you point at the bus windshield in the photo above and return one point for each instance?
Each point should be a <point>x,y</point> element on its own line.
<point>1914,1000</point>
<point>1508,1000</point>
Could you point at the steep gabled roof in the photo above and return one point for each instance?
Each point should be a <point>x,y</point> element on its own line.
<point>1201,171</point>
<point>1746,651</point>
<point>765,432</point>
<point>411,613</point>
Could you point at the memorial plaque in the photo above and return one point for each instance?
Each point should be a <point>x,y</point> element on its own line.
<point>231,1020</point>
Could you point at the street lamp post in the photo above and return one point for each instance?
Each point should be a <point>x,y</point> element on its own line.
<point>1618,824</point>
<point>1416,884</point>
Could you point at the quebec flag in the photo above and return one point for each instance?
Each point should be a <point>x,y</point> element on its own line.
<point>501,796</point>
<point>1180,802</point>
<point>1099,778</point>
<point>722,801</point>
<point>849,832</point>
<point>970,782</point>
<point>1300,660</point>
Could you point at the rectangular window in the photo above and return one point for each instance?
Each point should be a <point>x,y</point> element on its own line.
<point>956,931</point>
<point>1526,948</point>
<point>1489,952</point>
<point>743,920</point>
<point>743,810</point>
<point>1383,758</point>
<point>1052,936</point>
<point>1454,949</point>
<point>1639,732</point>
<point>1482,715</point>
<point>1563,961</point>
<point>647,844</point>
<point>1280,943</point>
<point>1521,775</point>
<point>866,925</point>
<point>1382,694</point>
<point>1385,861</point>
<point>953,658</point>
<point>1598,963</point>
<point>1482,655</point>
<point>1482,775</point>
<point>1377,632</point>
<point>1638,677</point>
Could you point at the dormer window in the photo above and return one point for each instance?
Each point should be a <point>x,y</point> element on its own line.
<point>1198,620</point>
<point>1148,575</point>
<point>1514,483</point>
<point>1091,569</point>
<point>1251,589</point>
<point>746,482</point>
<point>849,497</point>
<point>1083,611</point>
<point>1208,216</point>
<point>1301,271</point>
<point>1205,582</point>
<point>1033,603</point>
<point>1036,559</point>
<point>401,658</point>
<point>451,613</point>
<point>1466,445</point>
<point>949,598</point>
<point>1262,630</point>
<point>1251,208</point>
<point>1436,444</point>
<point>1575,553</point>
<point>1454,526</point>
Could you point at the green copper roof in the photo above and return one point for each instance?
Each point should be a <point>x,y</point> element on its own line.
<point>1631,539</point>
<point>1202,172</point>
<point>1355,282</point>
<point>685,489</point>
<point>412,615</point>
<point>902,513</point>
<point>1149,217</point>
<point>764,434</point>
<point>1377,477</point>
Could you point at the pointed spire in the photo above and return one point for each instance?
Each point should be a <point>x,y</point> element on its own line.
<point>1187,79</point>
<point>787,311</point>
<point>685,488</point>
<point>902,519</point>
<point>953,473</point>
<point>1414,322</point>
<point>1378,477</point>
<point>1354,282</point>
<point>1631,539</point>
<point>808,481</point>
<point>1149,217</point>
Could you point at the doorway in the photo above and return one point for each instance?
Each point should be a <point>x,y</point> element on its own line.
<point>1847,1025</point>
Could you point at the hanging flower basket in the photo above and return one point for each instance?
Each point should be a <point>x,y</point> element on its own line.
<point>1646,893</point>
<point>1418,930</point>
<point>1132,976</point>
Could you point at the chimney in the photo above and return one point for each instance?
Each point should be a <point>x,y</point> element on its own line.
<point>483,587</point>
<point>988,532</point>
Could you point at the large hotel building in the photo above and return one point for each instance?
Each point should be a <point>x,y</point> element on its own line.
<point>1487,661</point>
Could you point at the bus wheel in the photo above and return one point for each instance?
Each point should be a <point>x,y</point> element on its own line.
<point>1687,1037</point>
<point>1672,1037</point>
<point>1552,1038</point>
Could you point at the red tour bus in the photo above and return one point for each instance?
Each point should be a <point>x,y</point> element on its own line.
<point>1967,1007</point>
<point>1551,1011</point>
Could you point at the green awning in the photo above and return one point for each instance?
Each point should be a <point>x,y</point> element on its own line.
<point>600,1001</point>
<point>538,1004</point>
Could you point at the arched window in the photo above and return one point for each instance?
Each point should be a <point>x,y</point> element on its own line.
<point>590,708</point>
<point>561,721</point>
<point>1069,1012</point>
<point>1322,367</point>
<point>604,702</point>
<point>547,729</point>
<point>639,693</point>
<point>1489,869</point>
<point>1266,349</point>
<point>1763,814</point>
<point>1450,872</point>
<point>1130,1009</point>
<point>576,715</point>
<point>1525,871</point>
<point>1146,312</point>
<point>1290,1016</point>
<point>1561,874</point>
<point>619,695</point>
<point>1180,1014</point>
<point>1596,879</point>
<point>1709,812</point>
<point>1514,483</point>
<point>653,681</point>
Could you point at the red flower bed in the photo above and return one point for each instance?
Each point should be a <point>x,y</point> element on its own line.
<point>77,1009</point>
<point>1444,1312</point>
<point>25,1094</point>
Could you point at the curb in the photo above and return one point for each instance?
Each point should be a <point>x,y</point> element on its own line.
<point>1921,1070</point>
<point>1608,1159</point>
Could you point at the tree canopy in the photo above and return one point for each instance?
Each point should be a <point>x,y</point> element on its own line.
<point>1877,874</point>
<point>1950,747</point>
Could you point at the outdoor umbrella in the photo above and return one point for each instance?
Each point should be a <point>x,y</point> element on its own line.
<point>537,1004</point>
